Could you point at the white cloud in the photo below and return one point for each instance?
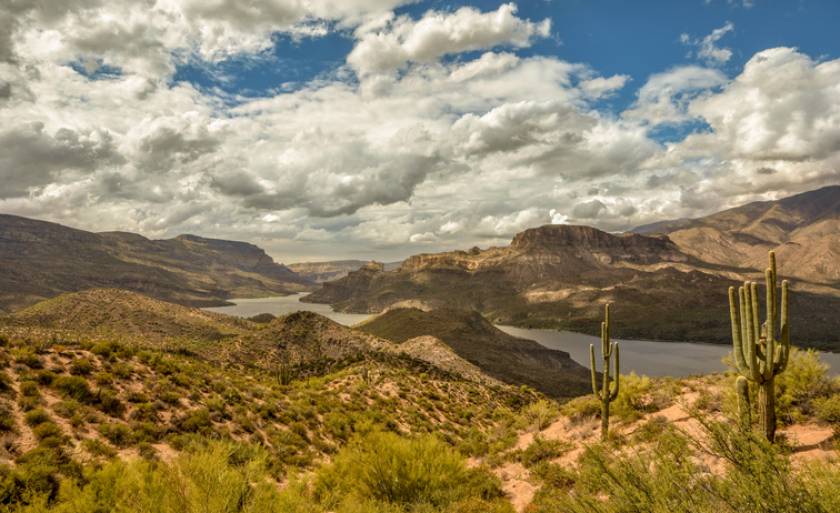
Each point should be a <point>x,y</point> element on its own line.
<point>444,154</point>
<point>401,40</point>
<point>665,96</point>
<point>707,48</point>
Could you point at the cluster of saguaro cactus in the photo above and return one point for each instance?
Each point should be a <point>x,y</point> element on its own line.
<point>606,394</point>
<point>761,349</point>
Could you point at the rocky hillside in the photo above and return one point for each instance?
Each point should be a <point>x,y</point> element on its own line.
<point>502,356</point>
<point>297,345</point>
<point>559,276</point>
<point>319,272</point>
<point>42,260</point>
<point>804,230</point>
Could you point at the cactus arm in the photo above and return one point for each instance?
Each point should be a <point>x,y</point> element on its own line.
<point>592,369</point>
<point>770,326</point>
<point>737,346</point>
<point>614,393</point>
<point>743,392</point>
<point>784,334</point>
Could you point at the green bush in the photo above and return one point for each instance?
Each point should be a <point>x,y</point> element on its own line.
<point>81,367</point>
<point>36,416</point>
<point>116,433</point>
<point>804,380</point>
<point>669,478</point>
<point>542,450</point>
<point>539,415</point>
<point>828,408</point>
<point>75,387</point>
<point>388,470</point>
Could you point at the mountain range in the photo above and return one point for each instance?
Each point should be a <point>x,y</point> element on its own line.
<point>668,281</point>
<point>42,259</point>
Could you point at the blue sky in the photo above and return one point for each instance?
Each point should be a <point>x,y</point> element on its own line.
<point>384,128</point>
<point>613,36</point>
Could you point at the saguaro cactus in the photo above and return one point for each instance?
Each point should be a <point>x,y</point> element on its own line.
<point>761,350</point>
<point>606,394</point>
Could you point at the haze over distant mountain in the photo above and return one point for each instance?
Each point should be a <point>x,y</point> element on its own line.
<point>664,287</point>
<point>42,259</point>
<point>804,230</point>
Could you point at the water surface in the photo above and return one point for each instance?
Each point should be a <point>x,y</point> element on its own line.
<point>640,356</point>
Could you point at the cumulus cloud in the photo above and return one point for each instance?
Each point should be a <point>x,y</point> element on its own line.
<point>446,153</point>
<point>665,97</point>
<point>402,39</point>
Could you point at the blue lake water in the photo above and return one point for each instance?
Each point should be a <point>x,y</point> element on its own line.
<point>640,356</point>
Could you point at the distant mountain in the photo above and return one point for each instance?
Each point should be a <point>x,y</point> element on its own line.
<point>320,272</point>
<point>41,260</point>
<point>804,230</point>
<point>561,275</point>
<point>501,356</point>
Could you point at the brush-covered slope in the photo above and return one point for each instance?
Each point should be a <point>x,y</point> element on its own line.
<point>302,342</point>
<point>473,338</point>
<point>560,276</point>
<point>67,404</point>
<point>42,260</point>
<point>804,230</point>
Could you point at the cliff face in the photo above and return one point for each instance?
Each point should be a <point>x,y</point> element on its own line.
<point>42,260</point>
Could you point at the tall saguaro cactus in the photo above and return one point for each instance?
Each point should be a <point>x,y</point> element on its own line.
<point>761,350</point>
<point>606,394</point>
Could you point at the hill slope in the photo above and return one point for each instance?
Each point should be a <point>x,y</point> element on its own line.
<point>804,230</point>
<point>42,260</point>
<point>473,338</point>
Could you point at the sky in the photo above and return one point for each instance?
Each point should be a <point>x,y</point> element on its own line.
<point>326,129</point>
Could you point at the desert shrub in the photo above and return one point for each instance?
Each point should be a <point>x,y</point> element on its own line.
<point>539,415</point>
<point>81,367</point>
<point>582,408</point>
<point>637,396</point>
<point>117,433</point>
<point>387,470</point>
<point>7,419</point>
<point>44,377</point>
<point>208,480</point>
<point>48,430</point>
<point>36,416</point>
<point>27,356</point>
<point>103,378</point>
<point>542,450</point>
<point>804,380</point>
<point>29,388</point>
<point>75,387</point>
<point>667,478</point>
<point>108,402</point>
<point>97,447</point>
<point>67,408</point>
<point>197,420</point>
<point>828,408</point>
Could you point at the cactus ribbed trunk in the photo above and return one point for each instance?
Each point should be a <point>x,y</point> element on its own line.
<point>604,394</point>
<point>767,408</point>
<point>605,419</point>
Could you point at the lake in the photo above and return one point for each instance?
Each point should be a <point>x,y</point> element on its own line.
<point>640,356</point>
